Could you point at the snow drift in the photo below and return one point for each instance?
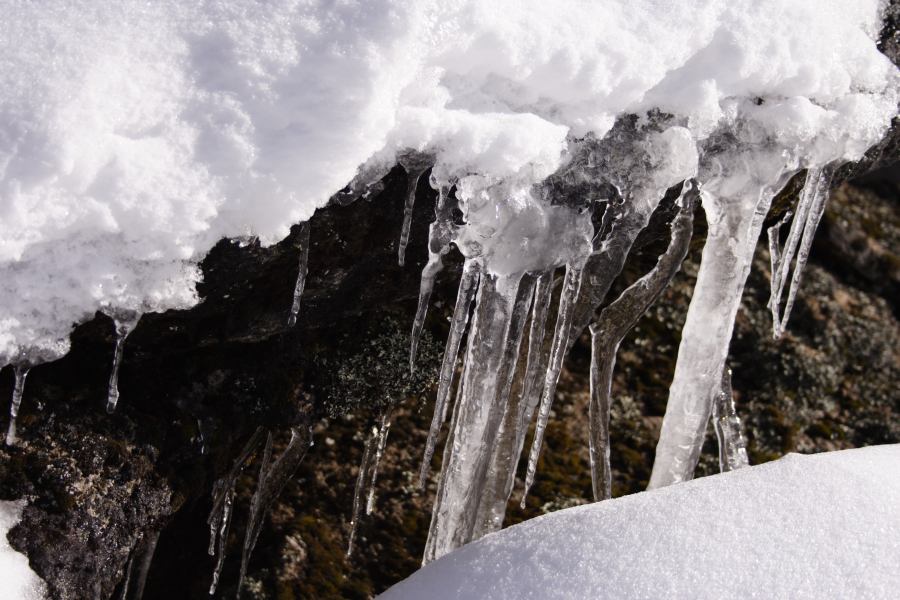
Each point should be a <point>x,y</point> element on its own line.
<point>820,526</point>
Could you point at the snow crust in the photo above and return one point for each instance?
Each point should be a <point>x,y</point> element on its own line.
<point>819,526</point>
<point>17,580</point>
<point>134,135</point>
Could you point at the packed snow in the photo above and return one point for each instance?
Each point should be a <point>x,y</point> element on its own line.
<point>820,526</point>
<point>17,580</point>
<point>135,135</point>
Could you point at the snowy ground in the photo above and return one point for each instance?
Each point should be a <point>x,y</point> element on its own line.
<point>819,526</point>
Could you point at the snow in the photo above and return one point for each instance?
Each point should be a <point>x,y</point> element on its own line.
<point>17,580</point>
<point>134,135</point>
<point>819,526</point>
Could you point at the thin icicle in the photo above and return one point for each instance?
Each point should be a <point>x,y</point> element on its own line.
<point>360,490</point>
<point>125,323</point>
<point>732,447</point>
<point>21,372</point>
<point>224,525</point>
<point>302,262</point>
<point>272,480</point>
<point>568,296</point>
<point>613,325</point>
<point>223,495</point>
<point>468,285</point>
<point>775,260</point>
<point>383,430</point>
<point>819,182</point>
<point>786,255</point>
<point>439,237</point>
<point>145,559</point>
<point>413,174</point>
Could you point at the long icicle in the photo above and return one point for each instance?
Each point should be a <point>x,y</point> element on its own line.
<point>413,173</point>
<point>272,480</point>
<point>491,503</point>
<point>735,224</point>
<point>383,429</point>
<point>145,559</point>
<point>614,323</point>
<point>479,412</point>
<point>302,262</point>
<point>124,322</point>
<point>468,285</point>
<point>439,236</point>
<point>732,447</point>
<point>21,372</point>
<point>359,491</point>
<point>567,299</point>
<point>820,182</point>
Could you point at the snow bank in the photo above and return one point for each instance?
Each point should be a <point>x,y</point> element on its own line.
<point>17,580</point>
<point>134,135</point>
<point>821,526</point>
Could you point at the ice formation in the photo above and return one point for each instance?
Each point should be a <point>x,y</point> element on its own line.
<point>732,447</point>
<point>124,322</point>
<point>157,129</point>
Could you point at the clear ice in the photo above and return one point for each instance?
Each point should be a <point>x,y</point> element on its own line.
<point>468,286</point>
<point>738,184</point>
<point>359,490</point>
<point>384,428</point>
<point>810,209</point>
<point>125,322</point>
<point>272,479</point>
<point>21,372</point>
<point>732,447</point>
<point>415,166</point>
<point>302,261</point>
<point>614,323</point>
<point>568,296</point>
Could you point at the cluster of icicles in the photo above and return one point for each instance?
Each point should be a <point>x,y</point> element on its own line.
<point>505,379</point>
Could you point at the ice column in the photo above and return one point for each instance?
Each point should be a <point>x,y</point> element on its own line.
<point>736,201</point>
<point>415,165</point>
<point>478,414</point>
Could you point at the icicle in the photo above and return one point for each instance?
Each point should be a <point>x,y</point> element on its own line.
<point>613,325</point>
<point>568,296</point>
<point>128,568</point>
<point>413,174</point>
<point>478,415</point>
<point>224,525</point>
<point>775,261</point>
<point>439,236</point>
<point>383,430</point>
<point>272,480</point>
<point>492,501</point>
<point>819,182</point>
<point>125,322</point>
<point>732,447</point>
<point>359,491</point>
<point>145,559</point>
<point>468,285</point>
<point>734,227</point>
<point>810,207</point>
<point>302,261</point>
<point>223,495</point>
<point>21,372</point>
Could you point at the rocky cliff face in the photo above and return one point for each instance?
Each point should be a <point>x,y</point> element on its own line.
<point>108,490</point>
